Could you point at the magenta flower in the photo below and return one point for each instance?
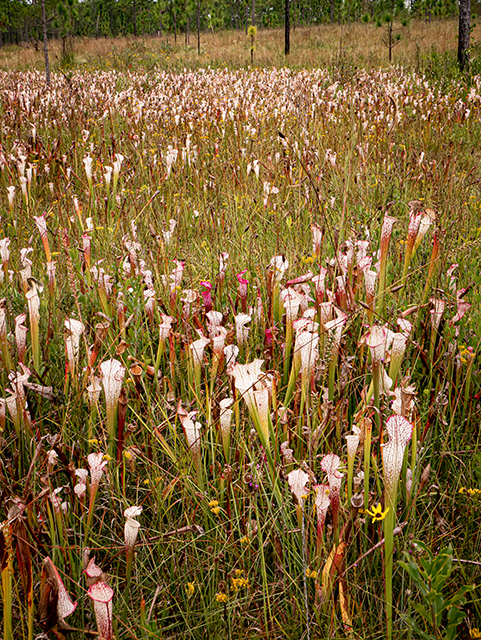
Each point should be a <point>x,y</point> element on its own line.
<point>243,290</point>
<point>207,295</point>
<point>269,334</point>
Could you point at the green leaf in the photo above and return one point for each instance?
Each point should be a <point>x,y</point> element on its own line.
<point>415,574</point>
<point>412,624</point>
<point>422,610</point>
<point>455,617</point>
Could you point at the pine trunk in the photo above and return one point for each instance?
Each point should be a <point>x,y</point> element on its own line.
<point>45,44</point>
<point>287,29</point>
<point>464,33</point>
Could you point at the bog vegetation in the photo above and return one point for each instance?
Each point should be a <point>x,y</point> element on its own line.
<point>239,330</point>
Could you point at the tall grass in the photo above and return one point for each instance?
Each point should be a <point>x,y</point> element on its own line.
<point>425,46</point>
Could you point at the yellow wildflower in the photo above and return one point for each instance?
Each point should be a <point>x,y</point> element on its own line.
<point>472,492</point>
<point>239,581</point>
<point>189,589</point>
<point>221,597</point>
<point>377,514</point>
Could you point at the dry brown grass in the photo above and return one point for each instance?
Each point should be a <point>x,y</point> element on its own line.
<point>316,46</point>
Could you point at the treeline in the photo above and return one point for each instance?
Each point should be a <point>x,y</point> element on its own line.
<point>21,20</point>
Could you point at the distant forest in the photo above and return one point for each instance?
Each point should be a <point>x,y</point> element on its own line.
<point>21,20</point>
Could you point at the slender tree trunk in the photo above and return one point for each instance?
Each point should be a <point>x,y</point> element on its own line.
<point>391,41</point>
<point>198,27</point>
<point>287,28</point>
<point>45,44</point>
<point>254,12</point>
<point>332,11</point>
<point>135,17</point>
<point>464,33</point>
<point>9,36</point>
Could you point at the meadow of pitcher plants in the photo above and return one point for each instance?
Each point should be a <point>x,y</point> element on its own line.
<point>239,335</point>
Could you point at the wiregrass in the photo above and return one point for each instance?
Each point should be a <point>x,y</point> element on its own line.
<point>425,46</point>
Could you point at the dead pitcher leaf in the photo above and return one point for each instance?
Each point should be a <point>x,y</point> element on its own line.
<point>331,568</point>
